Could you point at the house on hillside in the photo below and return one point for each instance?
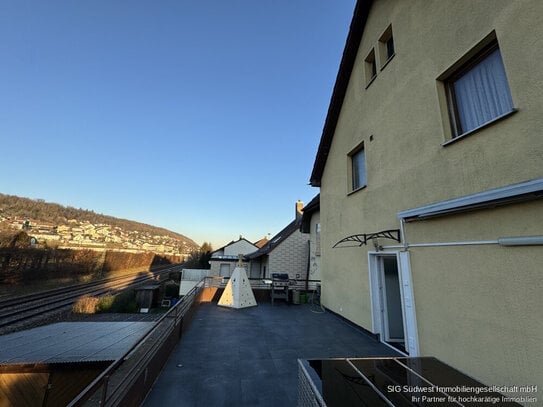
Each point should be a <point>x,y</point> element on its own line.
<point>430,175</point>
<point>223,261</point>
<point>285,253</point>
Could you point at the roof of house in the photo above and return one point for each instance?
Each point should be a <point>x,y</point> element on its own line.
<point>308,211</point>
<point>261,242</point>
<point>277,239</point>
<point>231,243</point>
<point>352,44</point>
<point>225,257</point>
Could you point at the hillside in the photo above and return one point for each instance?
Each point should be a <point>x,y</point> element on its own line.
<point>68,226</point>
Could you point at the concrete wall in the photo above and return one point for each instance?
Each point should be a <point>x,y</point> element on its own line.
<point>478,307</point>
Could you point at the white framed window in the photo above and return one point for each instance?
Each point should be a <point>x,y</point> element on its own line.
<point>478,92</point>
<point>358,168</point>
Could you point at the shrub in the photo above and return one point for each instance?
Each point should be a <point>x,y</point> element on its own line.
<point>85,305</point>
<point>105,303</point>
<point>125,302</point>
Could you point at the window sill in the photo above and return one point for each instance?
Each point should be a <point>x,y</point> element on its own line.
<point>370,81</point>
<point>357,189</point>
<point>387,61</point>
<point>482,126</point>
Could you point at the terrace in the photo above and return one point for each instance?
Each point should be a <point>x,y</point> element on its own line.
<point>248,357</point>
<point>200,354</point>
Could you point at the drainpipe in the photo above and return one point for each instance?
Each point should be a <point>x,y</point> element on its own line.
<point>308,264</point>
<point>502,241</point>
<point>402,234</point>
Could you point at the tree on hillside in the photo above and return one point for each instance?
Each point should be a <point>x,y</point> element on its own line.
<point>205,255</point>
<point>19,240</point>
<point>200,259</point>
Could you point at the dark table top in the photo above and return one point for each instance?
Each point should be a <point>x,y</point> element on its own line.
<point>399,381</point>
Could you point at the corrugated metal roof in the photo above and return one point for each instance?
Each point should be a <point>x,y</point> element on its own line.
<point>71,342</point>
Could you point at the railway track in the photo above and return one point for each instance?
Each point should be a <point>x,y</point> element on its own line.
<point>24,311</point>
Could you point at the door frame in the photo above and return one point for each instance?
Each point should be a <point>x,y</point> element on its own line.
<point>407,299</point>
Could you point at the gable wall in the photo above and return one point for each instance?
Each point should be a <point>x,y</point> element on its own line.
<point>240,247</point>
<point>290,256</point>
<point>400,120</point>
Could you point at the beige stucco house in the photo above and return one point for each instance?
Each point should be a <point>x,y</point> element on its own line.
<point>430,168</point>
<point>223,261</point>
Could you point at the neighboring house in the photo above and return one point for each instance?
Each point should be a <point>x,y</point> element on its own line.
<point>285,253</point>
<point>311,225</point>
<point>223,261</point>
<point>430,171</point>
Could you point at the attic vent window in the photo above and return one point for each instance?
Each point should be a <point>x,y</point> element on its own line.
<point>386,47</point>
<point>371,67</point>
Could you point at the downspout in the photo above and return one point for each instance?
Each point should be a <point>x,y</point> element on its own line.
<point>308,264</point>
<point>402,235</point>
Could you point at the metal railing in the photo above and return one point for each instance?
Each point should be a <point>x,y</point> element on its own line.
<point>127,380</point>
<point>264,284</point>
<point>112,387</point>
<point>308,394</point>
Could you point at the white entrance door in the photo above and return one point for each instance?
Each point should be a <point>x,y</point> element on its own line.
<point>393,311</point>
<point>391,300</point>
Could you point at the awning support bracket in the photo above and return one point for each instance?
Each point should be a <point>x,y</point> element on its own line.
<point>362,238</point>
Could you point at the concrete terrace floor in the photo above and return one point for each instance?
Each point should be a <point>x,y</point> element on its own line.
<point>248,357</point>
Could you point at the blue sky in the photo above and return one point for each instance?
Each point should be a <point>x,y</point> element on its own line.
<point>201,116</point>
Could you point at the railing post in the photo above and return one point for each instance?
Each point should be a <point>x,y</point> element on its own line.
<point>104,391</point>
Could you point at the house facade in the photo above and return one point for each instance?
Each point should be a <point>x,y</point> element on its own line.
<point>431,177</point>
<point>223,261</point>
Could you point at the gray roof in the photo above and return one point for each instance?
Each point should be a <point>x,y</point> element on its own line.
<point>224,257</point>
<point>71,342</point>
<point>277,239</point>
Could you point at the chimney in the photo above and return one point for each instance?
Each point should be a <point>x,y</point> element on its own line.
<point>299,209</point>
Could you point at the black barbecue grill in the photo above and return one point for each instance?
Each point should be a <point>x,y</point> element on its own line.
<point>279,286</point>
